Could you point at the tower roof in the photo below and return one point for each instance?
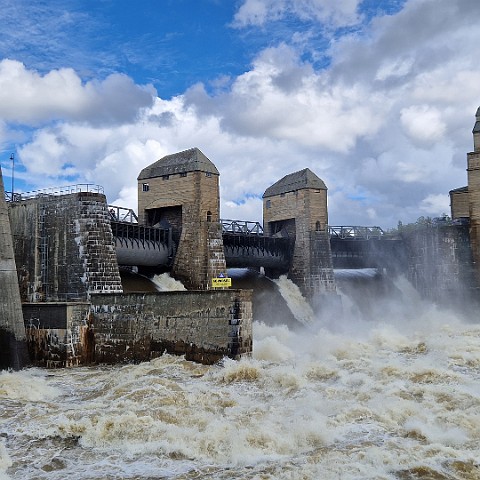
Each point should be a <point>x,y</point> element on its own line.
<point>459,190</point>
<point>295,181</point>
<point>476,128</point>
<point>191,160</point>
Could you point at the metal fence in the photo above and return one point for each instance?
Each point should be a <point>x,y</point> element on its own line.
<point>122,214</point>
<point>241,226</point>
<point>54,191</point>
<point>355,232</point>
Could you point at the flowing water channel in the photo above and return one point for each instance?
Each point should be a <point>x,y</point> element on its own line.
<point>388,389</point>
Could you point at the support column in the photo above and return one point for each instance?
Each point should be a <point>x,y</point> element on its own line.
<point>13,347</point>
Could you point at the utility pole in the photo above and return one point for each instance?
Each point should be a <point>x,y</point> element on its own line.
<point>12,158</point>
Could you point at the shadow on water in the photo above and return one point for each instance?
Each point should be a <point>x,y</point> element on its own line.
<point>133,282</point>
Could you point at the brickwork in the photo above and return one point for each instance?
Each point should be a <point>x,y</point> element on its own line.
<point>64,247</point>
<point>203,326</point>
<point>183,190</point>
<point>440,265</point>
<point>57,334</point>
<point>459,203</point>
<point>473,172</point>
<point>302,212</point>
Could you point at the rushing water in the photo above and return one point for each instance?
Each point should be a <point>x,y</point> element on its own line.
<point>395,396</point>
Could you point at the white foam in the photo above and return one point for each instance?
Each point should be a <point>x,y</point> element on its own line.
<point>165,283</point>
<point>398,396</point>
<point>298,305</point>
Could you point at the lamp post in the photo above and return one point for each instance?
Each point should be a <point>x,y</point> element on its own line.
<point>12,158</point>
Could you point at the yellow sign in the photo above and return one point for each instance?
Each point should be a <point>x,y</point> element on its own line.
<point>221,282</point>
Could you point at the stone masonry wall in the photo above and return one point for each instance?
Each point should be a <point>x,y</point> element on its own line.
<point>204,325</point>
<point>199,257</point>
<point>57,333</point>
<point>64,247</point>
<point>311,267</point>
<point>473,172</point>
<point>440,265</point>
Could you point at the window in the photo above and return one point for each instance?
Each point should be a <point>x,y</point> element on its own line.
<point>165,177</point>
<point>208,174</point>
<point>145,187</point>
<point>183,174</point>
<point>209,216</point>
<point>318,226</point>
<point>268,204</point>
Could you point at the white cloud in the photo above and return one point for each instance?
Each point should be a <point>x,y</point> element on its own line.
<point>260,12</point>
<point>435,205</point>
<point>387,125</point>
<point>30,98</point>
<point>423,123</point>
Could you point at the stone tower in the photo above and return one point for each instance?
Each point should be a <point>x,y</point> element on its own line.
<point>296,206</point>
<point>181,192</point>
<point>473,172</point>
<point>13,348</point>
<point>64,247</point>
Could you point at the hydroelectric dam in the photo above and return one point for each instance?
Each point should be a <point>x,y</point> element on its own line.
<point>62,251</point>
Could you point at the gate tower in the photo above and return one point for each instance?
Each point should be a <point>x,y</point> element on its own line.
<point>296,206</point>
<point>181,192</point>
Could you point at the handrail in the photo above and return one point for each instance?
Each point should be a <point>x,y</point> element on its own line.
<point>55,191</point>
<point>122,214</point>
<point>355,232</point>
<point>241,226</point>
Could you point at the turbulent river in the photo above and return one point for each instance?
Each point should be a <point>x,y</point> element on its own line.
<point>393,393</point>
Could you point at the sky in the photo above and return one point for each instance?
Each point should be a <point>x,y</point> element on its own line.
<point>376,97</point>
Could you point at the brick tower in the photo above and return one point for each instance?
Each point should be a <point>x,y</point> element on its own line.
<point>181,192</point>
<point>296,206</point>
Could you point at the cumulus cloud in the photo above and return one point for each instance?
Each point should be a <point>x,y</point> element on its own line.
<point>259,12</point>
<point>30,98</point>
<point>423,124</point>
<point>386,124</point>
<point>283,98</point>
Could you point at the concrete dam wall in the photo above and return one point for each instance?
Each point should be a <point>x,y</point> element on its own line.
<point>13,351</point>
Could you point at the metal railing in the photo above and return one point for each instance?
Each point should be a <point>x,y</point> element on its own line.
<point>242,226</point>
<point>55,191</point>
<point>122,214</point>
<point>355,232</point>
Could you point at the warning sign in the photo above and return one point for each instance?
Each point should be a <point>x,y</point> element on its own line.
<point>221,282</point>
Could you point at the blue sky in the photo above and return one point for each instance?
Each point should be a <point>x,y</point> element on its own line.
<point>377,97</point>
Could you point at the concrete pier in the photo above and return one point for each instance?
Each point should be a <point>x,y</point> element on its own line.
<point>13,348</point>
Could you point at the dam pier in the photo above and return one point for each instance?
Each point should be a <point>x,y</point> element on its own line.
<point>62,252</point>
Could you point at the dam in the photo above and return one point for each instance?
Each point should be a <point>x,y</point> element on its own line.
<point>67,248</point>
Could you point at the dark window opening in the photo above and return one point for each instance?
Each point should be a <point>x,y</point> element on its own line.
<point>145,187</point>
